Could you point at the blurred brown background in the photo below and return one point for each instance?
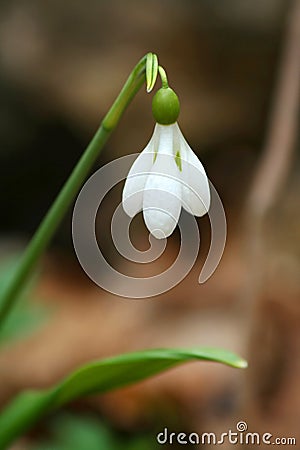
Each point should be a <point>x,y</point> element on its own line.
<point>234,66</point>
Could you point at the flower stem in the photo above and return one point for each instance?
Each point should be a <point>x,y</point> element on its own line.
<point>163,76</point>
<point>55,214</point>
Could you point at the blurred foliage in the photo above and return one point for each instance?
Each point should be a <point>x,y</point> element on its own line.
<point>74,432</point>
<point>78,432</point>
<point>26,317</point>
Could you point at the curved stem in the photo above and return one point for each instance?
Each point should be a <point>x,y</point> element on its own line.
<point>163,76</point>
<point>70,189</point>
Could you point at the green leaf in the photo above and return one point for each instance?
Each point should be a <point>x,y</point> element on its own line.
<point>97,377</point>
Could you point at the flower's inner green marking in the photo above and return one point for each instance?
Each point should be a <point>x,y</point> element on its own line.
<point>155,156</point>
<point>178,160</point>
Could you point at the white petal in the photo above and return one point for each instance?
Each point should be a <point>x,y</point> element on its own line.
<point>162,194</point>
<point>165,135</point>
<point>132,197</point>
<point>195,188</point>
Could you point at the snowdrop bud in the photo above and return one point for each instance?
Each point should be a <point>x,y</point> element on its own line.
<point>165,106</point>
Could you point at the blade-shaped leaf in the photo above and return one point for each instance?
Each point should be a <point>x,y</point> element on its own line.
<point>97,377</point>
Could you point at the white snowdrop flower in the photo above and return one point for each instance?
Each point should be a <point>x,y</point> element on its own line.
<point>167,175</point>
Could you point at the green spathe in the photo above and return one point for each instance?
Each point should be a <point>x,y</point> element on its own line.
<point>165,106</point>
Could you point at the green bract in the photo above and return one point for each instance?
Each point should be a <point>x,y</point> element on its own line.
<point>165,106</point>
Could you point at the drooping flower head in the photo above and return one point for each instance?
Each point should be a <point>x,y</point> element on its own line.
<point>167,175</point>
